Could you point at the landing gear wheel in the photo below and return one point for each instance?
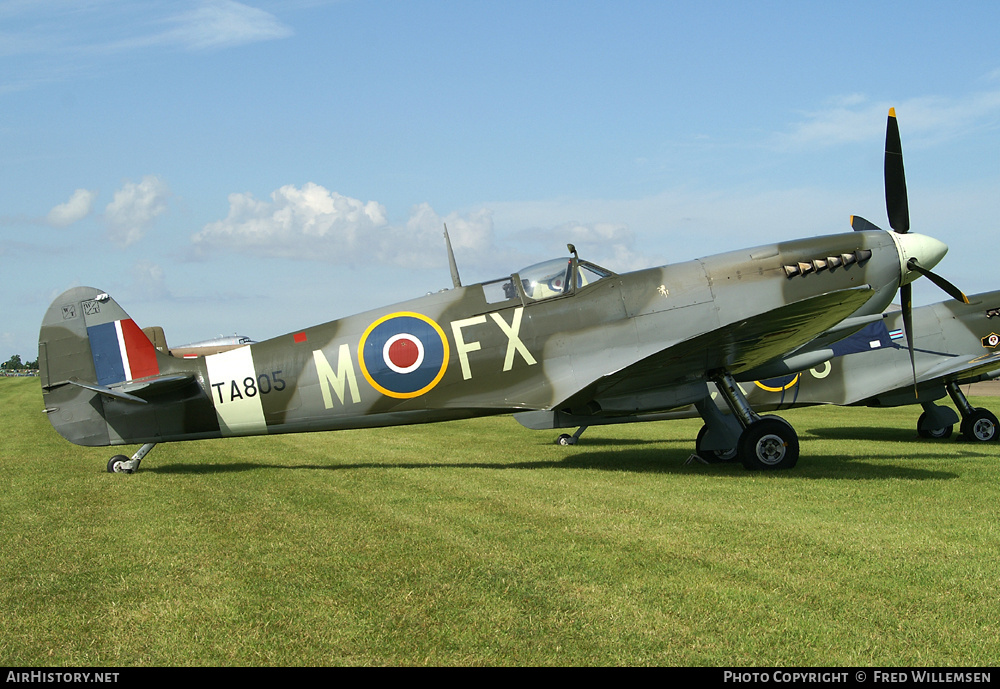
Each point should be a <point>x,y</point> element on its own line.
<point>116,465</point>
<point>565,439</point>
<point>712,456</point>
<point>981,425</point>
<point>933,433</point>
<point>769,443</point>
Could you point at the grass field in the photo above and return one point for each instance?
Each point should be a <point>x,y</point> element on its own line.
<point>482,543</point>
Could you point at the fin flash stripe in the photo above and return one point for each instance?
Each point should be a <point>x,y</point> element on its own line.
<point>121,352</point>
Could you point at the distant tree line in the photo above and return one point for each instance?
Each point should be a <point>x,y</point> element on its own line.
<point>15,364</point>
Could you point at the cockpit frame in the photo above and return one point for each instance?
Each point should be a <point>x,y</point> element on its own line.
<point>545,281</point>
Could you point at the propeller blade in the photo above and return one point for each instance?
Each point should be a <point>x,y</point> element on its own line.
<point>951,289</point>
<point>906,296</point>
<point>896,205</point>
<point>859,224</point>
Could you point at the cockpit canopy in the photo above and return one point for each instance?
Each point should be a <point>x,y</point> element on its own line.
<point>546,280</point>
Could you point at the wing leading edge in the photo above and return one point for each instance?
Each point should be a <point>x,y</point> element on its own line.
<point>677,374</point>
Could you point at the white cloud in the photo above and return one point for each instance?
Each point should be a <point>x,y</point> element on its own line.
<point>421,242</point>
<point>850,121</point>
<point>134,208</point>
<point>223,24</point>
<point>149,281</point>
<point>313,222</point>
<point>295,223</point>
<point>209,25</point>
<point>39,30</point>
<point>676,225</point>
<point>77,208</point>
<point>606,243</point>
<point>854,118</point>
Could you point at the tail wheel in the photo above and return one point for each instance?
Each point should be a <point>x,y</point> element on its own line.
<point>769,443</point>
<point>116,465</point>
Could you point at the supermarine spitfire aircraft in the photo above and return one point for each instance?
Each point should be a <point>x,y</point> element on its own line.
<point>954,344</point>
<point>565,339</point>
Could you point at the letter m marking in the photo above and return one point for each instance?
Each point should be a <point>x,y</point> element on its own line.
<point>330,380</point>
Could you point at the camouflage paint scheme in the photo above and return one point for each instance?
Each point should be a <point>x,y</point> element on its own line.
<point>954,344</point>
<point>616,345</point>
<point>562,342</point>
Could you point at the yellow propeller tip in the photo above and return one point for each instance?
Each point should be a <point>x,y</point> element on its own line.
<point>892,112</point>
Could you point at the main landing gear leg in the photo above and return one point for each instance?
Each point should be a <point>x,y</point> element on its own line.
<point>567,439</point>
<point>978,424</point>
<point>120,464</point>
<point>766,442</point>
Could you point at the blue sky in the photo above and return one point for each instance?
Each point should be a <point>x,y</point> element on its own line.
<point>257,167</point>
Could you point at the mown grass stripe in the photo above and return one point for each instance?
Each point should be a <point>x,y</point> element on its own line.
<point>481,543</point>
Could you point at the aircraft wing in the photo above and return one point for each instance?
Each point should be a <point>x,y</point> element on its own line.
<point>960,369</point>
<point>738,346</point>
<point>975,368</point>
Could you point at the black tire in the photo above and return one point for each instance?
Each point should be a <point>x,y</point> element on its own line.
<point>980,426</point>
<point>115,465</point>
<point>565,439</point>
<point>769,444</point>
<point>933,433</point>
<point>713,456</point>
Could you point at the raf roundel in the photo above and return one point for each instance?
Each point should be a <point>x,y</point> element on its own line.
<point>780,384</point>
<point>403,354</point>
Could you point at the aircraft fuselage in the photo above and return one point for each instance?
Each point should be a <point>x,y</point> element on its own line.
<point>475,350</point>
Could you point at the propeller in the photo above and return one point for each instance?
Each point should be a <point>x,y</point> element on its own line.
<point>952,291</point>
<point>898,210</point>
<point>896,205</point>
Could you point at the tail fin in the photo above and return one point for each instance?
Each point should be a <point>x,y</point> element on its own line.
<point>87,337</point>
<point>95,364</point>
